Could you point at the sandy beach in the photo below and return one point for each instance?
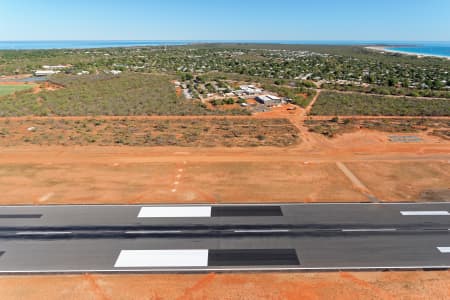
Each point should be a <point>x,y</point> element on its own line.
<point>388,50</point>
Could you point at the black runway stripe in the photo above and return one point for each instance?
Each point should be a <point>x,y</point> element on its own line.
<point>20,216</point>
<point>253,257</point>
<point>246,211</point>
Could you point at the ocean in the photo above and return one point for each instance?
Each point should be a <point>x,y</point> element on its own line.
<point>47,45</point>
<point>430,49</point>
<point>424,48</point>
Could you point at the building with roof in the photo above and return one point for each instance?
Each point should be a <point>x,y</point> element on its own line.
<point>269,100</point>
<point>57,67</point>
<point>45,72</point>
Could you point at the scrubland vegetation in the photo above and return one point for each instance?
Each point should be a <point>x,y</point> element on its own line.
<point>190,132</point>
<point>336,126</point>
<point>335,104</point>
<point>127,94</point>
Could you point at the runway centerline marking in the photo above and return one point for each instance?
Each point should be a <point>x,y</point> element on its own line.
<point>175,212</point>
<point>42,232</point>
<point>261,230</point>
<point>425,213</point>
<point>370,230</point>
<point>152,231</point>
<point>162,258</point>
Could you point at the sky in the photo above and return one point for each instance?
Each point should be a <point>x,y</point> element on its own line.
<point>347,20</point>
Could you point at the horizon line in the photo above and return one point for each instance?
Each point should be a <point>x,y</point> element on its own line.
<point>217,40</point>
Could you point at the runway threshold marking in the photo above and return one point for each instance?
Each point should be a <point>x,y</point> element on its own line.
<point>444,249</point>
<point>162,258</point>
<point>209,211</point>
<point>202,258</point>
<point>425,213</point>
<point>175,212</point>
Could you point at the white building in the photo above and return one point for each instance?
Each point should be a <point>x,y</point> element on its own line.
<point>269,100</point>
<point>250,89</point>
<point>45,72</point>
<point>57,67</point>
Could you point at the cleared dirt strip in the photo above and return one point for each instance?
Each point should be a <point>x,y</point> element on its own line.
<point>356,182</point>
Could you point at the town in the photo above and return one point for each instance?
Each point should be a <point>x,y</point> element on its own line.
<point>332,67</point>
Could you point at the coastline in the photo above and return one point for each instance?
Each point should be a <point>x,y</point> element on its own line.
<point>419,55</point>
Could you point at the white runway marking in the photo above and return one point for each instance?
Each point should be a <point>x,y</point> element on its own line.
<point>42,232</point>
<point>175,212</point>
<point>369,230</point>
<point>162,258</point>
<point>425,213</point>
<point>444,249</point>
<point>152,231</point>
<point>261,231</point>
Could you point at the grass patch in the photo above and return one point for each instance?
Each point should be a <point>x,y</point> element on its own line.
<point>7,89</point>
<point>345,104</point>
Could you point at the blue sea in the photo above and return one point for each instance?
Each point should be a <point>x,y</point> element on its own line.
<point>427,49</point>
<point>47,45</point>
<point>424,48</point>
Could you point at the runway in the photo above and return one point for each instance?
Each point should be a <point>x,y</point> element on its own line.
<point>224,238</point>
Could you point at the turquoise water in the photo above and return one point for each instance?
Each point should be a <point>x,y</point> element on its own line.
<point>45,45</point>
<point>424,50</point>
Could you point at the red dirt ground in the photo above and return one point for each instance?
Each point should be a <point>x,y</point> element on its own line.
<point>286,286</point>
<point>303,173</point>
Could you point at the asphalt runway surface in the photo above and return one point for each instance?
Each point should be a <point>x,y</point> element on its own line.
<point>224,238</point>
